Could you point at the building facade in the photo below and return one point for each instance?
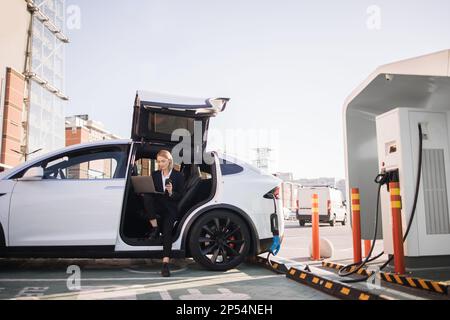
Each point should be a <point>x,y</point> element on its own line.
<point>32,99</point>
<point>81,129</point>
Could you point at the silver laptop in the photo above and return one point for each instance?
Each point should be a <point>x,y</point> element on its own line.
<point>143,184</point>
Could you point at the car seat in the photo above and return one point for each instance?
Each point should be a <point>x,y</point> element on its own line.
<point>191,188</point>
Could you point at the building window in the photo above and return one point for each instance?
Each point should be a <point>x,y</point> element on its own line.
<point>46,114</point>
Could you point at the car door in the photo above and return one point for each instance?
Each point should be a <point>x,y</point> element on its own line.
<point>171,120</point>
<point>77,202</point>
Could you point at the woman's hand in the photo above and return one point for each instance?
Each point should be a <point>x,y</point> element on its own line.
<point>169,188</point>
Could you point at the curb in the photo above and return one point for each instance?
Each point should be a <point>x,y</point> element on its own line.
<point>274,266</point>
<point>334,288</point>
<point>411,282</point>
<point>336,266</point>
<point>331,287</point>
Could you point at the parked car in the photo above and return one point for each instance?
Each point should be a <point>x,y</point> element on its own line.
<point>289,214</point>
<point>332,207</point>
<point>79,202</point>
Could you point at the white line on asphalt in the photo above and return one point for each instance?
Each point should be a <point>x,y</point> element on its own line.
<point>165,295</point>
<point>88,279</point>
<point>109,279</point>
<point>155,272</point>
<point>173,285</point>
<point>104,294</point>
<point>32,292</point>
<point>225,294</point>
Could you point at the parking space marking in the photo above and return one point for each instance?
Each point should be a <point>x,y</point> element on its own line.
<point>31,292</point>
<point>165,295</point>
<point>224,294</point>
<point>113,279</point>
<point>166,286</point>
<point>86,279</point>
<point>154,272</point>
<point>102,293</point>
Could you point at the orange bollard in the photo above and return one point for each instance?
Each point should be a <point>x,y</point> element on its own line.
<point>356,226</point>
<point>367,246</point>
<point>397,229</point>
<point>315,228</point>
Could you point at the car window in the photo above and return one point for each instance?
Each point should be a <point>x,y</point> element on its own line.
<point>228,168</point>
<point>145,167</point>
<point>91,165</point>
<point>86,164</point>
<point>168,123</point>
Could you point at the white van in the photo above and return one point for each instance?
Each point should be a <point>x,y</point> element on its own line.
<point>332,207</point>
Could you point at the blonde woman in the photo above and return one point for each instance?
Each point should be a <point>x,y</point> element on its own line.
<point>171,182</point>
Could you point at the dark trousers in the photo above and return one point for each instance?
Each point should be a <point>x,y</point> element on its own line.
<point>160,206</point>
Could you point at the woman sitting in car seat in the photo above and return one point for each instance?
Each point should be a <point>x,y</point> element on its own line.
<point>171,185</point>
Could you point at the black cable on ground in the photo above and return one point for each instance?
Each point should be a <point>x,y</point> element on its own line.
<point>368,259</point>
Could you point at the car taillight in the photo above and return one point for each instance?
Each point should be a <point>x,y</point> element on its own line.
<point>274,193</point>
<point>329,206</point>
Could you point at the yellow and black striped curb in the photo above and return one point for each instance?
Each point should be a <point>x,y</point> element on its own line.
<point>336,266</point>
<point>429,285</point>
<point>412,282</point>
<point>273,265</point>
<point>332,287</point>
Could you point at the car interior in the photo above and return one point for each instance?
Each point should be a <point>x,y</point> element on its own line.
<point>199,189</point>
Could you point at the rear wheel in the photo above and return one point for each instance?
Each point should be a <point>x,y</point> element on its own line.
<point>344,222</point>
<point>333,222</point>
<point>219,241</point>
<point>302,223</point>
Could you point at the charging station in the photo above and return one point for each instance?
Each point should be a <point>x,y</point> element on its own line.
<point>398,154</point>
<point>381,134</point>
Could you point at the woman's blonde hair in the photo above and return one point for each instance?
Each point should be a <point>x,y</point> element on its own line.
<point>167,155</point>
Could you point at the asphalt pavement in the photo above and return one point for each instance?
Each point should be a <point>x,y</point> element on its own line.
<point>139,279</point>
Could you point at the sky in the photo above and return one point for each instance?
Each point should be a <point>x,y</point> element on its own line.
<point>287,66</point>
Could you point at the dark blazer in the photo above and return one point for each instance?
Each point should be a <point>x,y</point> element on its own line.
<point>177,184</point>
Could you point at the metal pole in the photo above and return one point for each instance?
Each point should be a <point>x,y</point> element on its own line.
<point>397,229</point>
<point>356,225</point>
<point>315,228</point>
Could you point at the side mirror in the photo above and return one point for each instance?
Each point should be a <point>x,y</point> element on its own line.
<point>33,174</point>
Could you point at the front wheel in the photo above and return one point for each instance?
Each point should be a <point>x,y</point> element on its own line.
<point>344,222</point>
<point>302,223</point>
<point>219,241</point>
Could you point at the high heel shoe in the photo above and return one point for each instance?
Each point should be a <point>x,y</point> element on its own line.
<point>165,272</point>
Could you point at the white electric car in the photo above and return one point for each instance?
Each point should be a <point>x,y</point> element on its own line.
<point>79,202</point>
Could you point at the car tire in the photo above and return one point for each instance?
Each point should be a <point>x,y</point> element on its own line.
<point>333,222</point>
<point>344,222</point>
<point>302,223</point>
<point>221,234</point>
